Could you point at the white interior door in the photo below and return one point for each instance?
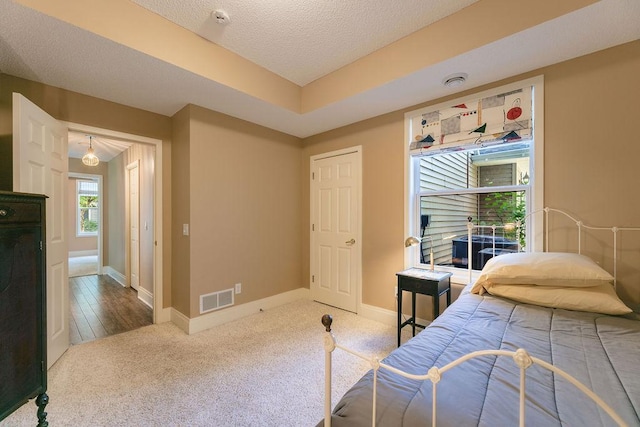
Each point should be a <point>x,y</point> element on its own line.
<point>336,228</point>
<point>134,223</point>
<point>40,165</point>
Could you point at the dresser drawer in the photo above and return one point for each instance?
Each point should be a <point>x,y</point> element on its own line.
<point>12,213</point>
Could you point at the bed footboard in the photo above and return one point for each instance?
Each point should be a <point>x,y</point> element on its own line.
<point>521,358</point>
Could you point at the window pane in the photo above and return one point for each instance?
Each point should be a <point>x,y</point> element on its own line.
<point>88,187</point>
<point>443,223</point>
<point>478,168</point>
<point>88,220</point>
<point>88,202</point>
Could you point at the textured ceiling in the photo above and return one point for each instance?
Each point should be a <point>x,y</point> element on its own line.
<point>304,40</point>
<point>40,47</point>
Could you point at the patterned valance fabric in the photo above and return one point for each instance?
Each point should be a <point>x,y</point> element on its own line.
<point>501,118</point>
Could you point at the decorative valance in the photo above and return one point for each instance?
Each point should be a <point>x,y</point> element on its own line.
<point>497,119</point>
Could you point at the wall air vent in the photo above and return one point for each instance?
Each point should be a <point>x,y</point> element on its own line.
<point>216,300</point>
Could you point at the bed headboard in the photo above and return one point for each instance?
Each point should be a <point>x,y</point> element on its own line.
<point>525,224</point>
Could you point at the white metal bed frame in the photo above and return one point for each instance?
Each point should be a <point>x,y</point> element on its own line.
<point>521,357</point>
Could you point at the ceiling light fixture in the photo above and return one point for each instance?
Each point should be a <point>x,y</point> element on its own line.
<point>221,17</point>
<point>454,80</point>
<point>90,159</point>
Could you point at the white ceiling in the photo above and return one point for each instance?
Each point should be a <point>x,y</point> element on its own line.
<point>103,147</point>
<point>299,40</point>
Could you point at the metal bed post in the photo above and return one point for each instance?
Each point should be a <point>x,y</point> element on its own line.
<point>615,256</point>
<point>546,229</point>
<point>469,248</point>
<point>329,346</point>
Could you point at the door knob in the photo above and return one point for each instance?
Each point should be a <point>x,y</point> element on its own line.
<point>350,242</point>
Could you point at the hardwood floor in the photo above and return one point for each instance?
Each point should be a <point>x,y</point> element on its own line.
<point>100,307</point>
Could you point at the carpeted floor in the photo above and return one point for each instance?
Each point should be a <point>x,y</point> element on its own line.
<point>264,370</point>
<point>83,265</point>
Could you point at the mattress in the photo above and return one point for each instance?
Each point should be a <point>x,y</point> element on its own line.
<point>601,351</point>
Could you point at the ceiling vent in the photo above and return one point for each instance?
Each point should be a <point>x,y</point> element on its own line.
<point>455,79</point>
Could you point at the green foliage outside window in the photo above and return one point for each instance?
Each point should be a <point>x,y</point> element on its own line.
<point>87,204</point>
<point>509,208</point>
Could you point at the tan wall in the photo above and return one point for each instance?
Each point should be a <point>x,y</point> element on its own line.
<point>591,153</point>
<point>181,208</point>
<point>81,109</point>
<point>245,208</point>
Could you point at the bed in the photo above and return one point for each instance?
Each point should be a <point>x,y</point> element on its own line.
<point>537,339</point>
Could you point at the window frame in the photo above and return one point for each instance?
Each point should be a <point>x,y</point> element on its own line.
<point>79,232</point>
<point>534,189</point>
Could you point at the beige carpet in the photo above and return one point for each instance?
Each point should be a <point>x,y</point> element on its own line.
<point>83,265</point>
<point>264,370</point>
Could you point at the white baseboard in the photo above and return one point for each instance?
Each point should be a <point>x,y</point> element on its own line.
<point>209,320</point>
<point>180,320</point>
<point>74,254</point>
<point>162,315</point>
<point>382,315</point>
<point>115,275</point>
<point>145,296</point>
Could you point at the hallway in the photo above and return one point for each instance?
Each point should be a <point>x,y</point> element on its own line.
<point>100,306</point>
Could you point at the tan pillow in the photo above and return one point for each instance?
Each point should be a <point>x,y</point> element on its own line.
<point>597,299</point>
<point>544,269</point>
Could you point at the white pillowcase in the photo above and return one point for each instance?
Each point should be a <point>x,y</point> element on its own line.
<point>543,269</point>
<point>551,279</point>
<point>597,299</point>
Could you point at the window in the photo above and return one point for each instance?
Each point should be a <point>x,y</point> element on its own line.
<point>479,160</point>
<point>88,213</point>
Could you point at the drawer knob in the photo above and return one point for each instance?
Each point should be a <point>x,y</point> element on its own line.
<point>3,212</point>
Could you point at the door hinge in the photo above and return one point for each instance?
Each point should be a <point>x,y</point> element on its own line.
<point>313,175</point>
<point>313,278</point>
<point>313,227</point>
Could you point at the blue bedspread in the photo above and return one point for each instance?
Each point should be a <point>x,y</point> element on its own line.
<point>603,352</point>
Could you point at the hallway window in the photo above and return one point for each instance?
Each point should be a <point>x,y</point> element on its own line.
<point>88,213</point>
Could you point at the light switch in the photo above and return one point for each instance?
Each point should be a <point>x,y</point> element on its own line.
<point>185,229</point>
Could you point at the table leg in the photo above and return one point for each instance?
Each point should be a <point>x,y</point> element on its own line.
<point>413,313</point>
<point>436,306</point>
<point>399,313</point>
<point>449,295</point>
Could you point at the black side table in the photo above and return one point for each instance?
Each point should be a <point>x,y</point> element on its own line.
<point>426,282</point>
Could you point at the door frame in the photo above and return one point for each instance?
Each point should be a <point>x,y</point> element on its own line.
<point>128,250</point>
<point>351,150</point>
<point>98,178</point>
<point>160,314</point>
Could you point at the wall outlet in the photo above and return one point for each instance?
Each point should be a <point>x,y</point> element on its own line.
<point>238,288</point>
<point>395,291</point>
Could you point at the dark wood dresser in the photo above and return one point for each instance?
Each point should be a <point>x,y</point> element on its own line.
<point>23,335</point>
